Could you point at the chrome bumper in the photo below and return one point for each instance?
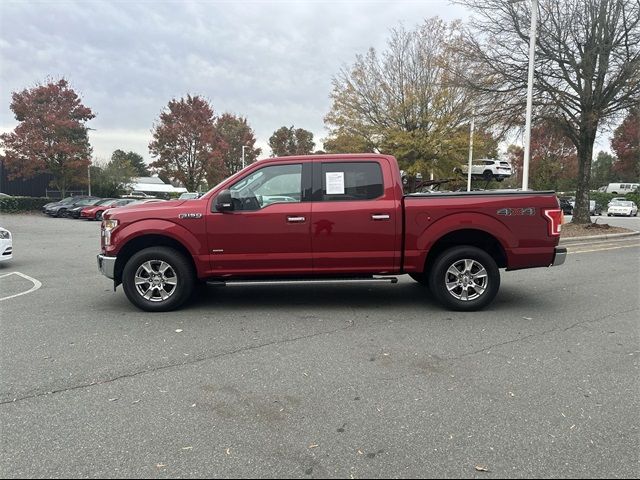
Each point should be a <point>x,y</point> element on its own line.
<point>107,266</point>
<point>558,258</point>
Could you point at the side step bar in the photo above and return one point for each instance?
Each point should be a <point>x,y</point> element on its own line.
<point>301,281</point>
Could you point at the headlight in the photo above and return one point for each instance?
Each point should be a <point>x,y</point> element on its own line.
<point>108,226</point>
<point>5,234</point>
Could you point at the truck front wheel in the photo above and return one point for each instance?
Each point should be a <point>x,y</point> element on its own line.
<point>158,279</point>
<point>464,278</point>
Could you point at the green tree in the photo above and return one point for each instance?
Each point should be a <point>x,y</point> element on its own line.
<point>185,142</point>
<point>602,170</point>
<point>51,135</point>
<point>405,101</point>
<point>111,179</point>
<point>586,73</point>
<point>236,133</point>
<point>291,141</point>
<point>135,159</point>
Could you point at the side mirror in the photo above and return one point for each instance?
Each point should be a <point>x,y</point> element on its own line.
<point>224,202</point>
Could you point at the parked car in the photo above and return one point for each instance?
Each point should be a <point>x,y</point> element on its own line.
<point>137,194</point>
<point>595,208</point>
<point>189,195</point>
<point>64,201</point>
<point>6,245</point>
<point>4,195</point>
<point>616,199</point>
<point>142,202</point>
<point>95,212</point>
<point>74,212</point>
<point>625,208</point>
<point>622,188</point>
<point>350,222</point>
<point>60,209</point>
<point>488,169</point>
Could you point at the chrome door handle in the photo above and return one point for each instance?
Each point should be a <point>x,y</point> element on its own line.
<point>380,217</point>
<point>296,219</point>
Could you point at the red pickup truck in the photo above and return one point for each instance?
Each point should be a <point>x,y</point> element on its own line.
<point>328,218</point>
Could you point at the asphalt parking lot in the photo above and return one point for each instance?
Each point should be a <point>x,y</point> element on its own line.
<point>340,381</point>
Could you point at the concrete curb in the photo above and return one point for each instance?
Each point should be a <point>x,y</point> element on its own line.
<point>596,238</point>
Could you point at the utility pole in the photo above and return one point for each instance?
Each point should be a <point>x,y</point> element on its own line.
<point>532,54</point>
<point>243,147</point>
<point>473,118</point>
<point>89,175</point>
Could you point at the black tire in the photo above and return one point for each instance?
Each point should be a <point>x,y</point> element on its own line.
<point>481,263</point>
<point>487,175</point>
<point>61,213</point>
<point>421,278</point>
<point>180,271</point>
<point>99,214</point>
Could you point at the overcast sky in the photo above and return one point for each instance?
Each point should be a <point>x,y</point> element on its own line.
<point>270,61</point>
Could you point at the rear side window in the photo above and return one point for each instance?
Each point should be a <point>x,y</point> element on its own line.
<point>351,181</point>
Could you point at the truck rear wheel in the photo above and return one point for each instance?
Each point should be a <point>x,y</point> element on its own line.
<point>464,278</point>
<point>158,279</point>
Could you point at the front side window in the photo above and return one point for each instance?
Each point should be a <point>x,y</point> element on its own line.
<point>269,185</point>
<point>351,181</point>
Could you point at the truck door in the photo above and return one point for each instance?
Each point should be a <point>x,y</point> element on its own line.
<point>354,225</point>
<point>268,231</point>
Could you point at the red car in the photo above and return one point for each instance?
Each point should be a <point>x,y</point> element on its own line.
<point>95,212</point>
<point>323,218</point>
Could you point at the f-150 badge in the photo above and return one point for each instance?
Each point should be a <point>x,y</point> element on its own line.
<point>189,215</point>
<point>509,212</point>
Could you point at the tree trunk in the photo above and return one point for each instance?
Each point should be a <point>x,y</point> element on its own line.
<point>585,155</point>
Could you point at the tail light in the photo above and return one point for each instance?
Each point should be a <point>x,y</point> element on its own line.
<point>554,220</point>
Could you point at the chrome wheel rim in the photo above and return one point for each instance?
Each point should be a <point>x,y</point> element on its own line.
<point>466,279</point>
<point>156,280</point>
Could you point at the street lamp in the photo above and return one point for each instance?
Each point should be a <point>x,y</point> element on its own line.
<point>532,53</point>
<point>243,147</point>
<point>473,117</point>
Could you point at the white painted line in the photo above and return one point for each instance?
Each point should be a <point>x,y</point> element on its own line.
<point>36,285</point>
<point>603,249</point>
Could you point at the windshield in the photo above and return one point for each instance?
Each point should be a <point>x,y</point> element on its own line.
<point>621,204</point>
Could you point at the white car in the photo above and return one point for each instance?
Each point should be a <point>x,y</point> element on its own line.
<point>489,169</point>
<point>6,245</point>
<point>626,208</point>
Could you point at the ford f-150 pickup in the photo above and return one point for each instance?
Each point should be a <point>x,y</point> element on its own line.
<point>326,218</point>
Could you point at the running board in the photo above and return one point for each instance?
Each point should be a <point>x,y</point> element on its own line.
<point>315,281</point>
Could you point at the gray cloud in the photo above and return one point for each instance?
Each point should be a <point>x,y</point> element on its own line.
<point>269,61</point>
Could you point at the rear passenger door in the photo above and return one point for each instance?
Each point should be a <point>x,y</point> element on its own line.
<point>354,224</point>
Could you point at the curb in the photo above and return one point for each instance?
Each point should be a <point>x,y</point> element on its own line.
<point>595,238</point>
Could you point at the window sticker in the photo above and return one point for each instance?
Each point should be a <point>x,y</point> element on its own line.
<point>335,183</point>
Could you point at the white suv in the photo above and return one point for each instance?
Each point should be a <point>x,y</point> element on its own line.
<point>489,169</point>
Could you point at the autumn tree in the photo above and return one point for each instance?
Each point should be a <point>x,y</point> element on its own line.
<point>134,159</point>
<point>554,161</point>
<point>185,142</point>
<point>51,135</point>
<point>587,68</point>
<point>406,100</point>
<point>236,133</point>
<point>291,141</point>
<point>626,144</point>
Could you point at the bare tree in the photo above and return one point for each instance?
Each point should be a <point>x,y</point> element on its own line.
<point>587,69</point>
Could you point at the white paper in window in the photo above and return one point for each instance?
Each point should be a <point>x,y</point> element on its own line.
<point>335,183</point>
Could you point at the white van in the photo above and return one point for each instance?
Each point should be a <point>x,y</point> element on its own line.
<point>622,188</point>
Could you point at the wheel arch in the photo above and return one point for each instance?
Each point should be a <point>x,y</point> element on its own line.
<point>471,237</point>
<point>144,241</point>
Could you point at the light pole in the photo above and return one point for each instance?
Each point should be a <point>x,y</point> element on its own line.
<point>89,175</point>
<point>473,117</point>
<point>243,147</point>
<point>532,54</point>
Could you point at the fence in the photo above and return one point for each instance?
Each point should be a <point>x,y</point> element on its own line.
<point>58,194</point>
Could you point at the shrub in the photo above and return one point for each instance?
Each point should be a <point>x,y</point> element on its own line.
<point>22,204</point>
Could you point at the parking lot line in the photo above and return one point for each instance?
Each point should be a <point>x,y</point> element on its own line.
<point>603,249</point>
<point>36,284</point>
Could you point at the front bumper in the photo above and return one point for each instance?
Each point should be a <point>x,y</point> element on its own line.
<point>107,266</point>
<point>559,256</point>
